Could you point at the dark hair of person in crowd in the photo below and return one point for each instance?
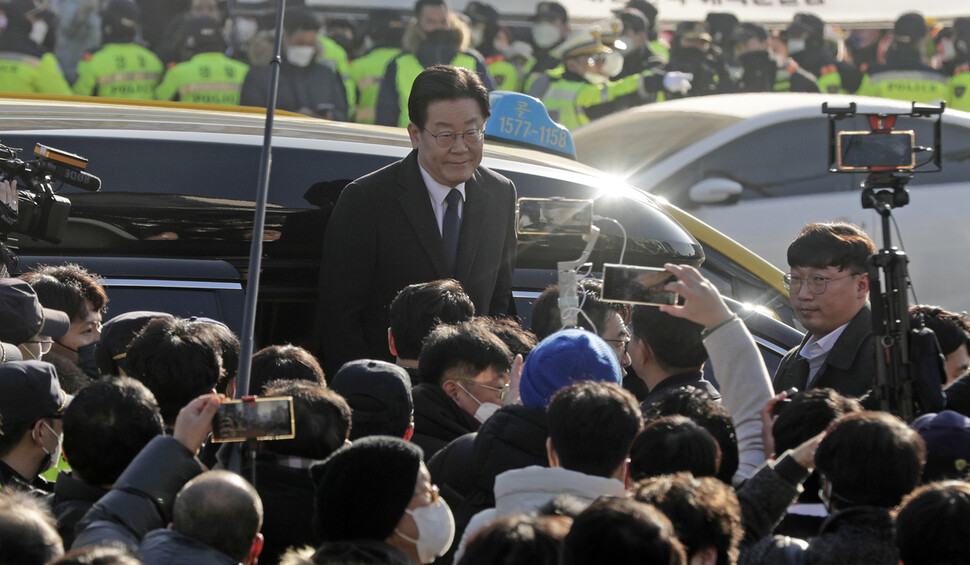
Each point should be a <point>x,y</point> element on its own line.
<point>701,408</point>
<point>176,362</point>
<point>592,425</point>
<point>106,426</point>
<point>444,82</point>
<point>221,510</point>
<point>66,288</point>
<point>283,362</point>
<point>870,459</point>
<point>98,555</point>
<point>808,414</point>
<point>519,539</point>
<point>520,341</point>
<point>933,525</point>
<point>676,342</point>
<point>704,511</point>
<point>321,417</point>
<point>546,317</point>
<point>379,396</point>
<point>299,18</point>
<point>621,530</point>
<point>28,535</point>
<point>419,308</point>
<point>228,349</point>
<point>837,244</point>
<point>672,444</point>
<point>563,505</point>
<point>462,352</point>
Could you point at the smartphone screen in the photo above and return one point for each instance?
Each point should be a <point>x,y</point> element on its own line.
<point>862,150</point>
<point>633,284</point>
<point>554,216</point>
<point>259,418</point>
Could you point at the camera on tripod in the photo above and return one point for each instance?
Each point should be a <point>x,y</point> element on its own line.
<point>40,213</point>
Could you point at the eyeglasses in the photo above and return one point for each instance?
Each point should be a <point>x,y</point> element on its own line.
<point>446,139</point>
<point>816,284</point>
<point>502,391</point>
<point>619,345</point>
<point>45,345</point>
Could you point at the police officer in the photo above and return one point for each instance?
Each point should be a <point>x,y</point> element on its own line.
<point>692,52</point>
<point>208,76</point>
<point>905,76</point>
<point>333,55</point>
<point>584,92</point>
<point>638,56</point>
<point>435,36</point>
<point>484,27</point>
<point>959,82</point>
<point>760,71</point>
<point>25,66</point>
<point>805,38</point>
<point>658,45</point>
<point>382,41</point>
<point>121,68</point>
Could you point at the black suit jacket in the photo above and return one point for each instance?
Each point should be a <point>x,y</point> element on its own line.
<point>850,368</point>
<point>383,236</point>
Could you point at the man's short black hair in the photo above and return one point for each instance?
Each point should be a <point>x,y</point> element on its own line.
<point>176,362</point>
<point>322,418</point>
<point>419,308</point>
<point>700,407</point>
<point>672,444</point>
<point>870,459</point>
<point>546,317</point>
<point>444,82</point>
<point>283,362</point>
<point>28,533</point>
<point>220,509</point>
<point>107,425</point>
<point>622,530</point>
<point>809,414</point>
<point>520,340</point>
<point>461,352</point>
<point>421,4</point>
<point>592,426</point>
<point>836,244</point>
<point>675,342</point>
<point>67,288</point>
<point>519,539</point>
<point>229,346</point>
<point>931,524</point>
<point>705,512</point>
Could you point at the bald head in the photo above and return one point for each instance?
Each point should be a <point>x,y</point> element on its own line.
<point>222,510</point>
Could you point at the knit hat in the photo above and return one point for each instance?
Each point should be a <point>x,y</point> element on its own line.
<point>947,438</point>
<point>23,316</point>
<point>563,358</point>
<point>377,391</point>
<point>364,488</point>
<point>116,335</point>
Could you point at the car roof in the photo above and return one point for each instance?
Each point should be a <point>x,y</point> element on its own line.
<point>116,117</point>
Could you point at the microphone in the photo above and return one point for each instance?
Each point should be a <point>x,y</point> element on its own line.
<point>69,175</point>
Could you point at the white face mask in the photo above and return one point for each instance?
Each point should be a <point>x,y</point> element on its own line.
<point>38,32</point>
<point>545,35</point>
<point>436,530</point>
<point>596,78</point>
<point>796,46</point>
<point>300,55</point>
<point>56,456</point>
<point>485,409</point>
<point>245,29</point>
<point>477,35</point>
<point>612,64</point>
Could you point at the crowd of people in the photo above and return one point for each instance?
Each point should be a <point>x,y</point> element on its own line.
<point>200,51</point>
<point>483,442</point>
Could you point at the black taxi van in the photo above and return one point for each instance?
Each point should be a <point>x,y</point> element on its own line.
<point>171,227</point>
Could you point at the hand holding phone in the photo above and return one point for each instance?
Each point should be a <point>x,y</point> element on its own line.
<point>702,302</point>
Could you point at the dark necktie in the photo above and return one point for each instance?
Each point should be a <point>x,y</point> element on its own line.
<point>799,373</point>
<point>451,227</point>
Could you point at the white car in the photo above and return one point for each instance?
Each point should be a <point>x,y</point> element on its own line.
<point>755,166</point>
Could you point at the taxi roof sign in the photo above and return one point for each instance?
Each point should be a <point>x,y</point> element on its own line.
<point>522,120</point>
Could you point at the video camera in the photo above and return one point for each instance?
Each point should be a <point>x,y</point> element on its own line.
<point>41,213</point>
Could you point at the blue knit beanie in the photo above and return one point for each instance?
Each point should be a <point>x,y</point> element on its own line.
<point>563,358</point>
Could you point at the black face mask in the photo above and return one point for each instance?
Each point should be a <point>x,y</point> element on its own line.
<point>86,359</point>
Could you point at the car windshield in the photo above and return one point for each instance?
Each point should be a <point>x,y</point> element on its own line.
<point>606,144</point>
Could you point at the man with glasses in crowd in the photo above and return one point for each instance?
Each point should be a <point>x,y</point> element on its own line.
<point>829,289</point>
<point>435,214</point>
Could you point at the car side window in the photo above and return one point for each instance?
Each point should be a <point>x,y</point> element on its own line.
<point>956,153</point>
<point>789,159</point>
